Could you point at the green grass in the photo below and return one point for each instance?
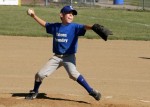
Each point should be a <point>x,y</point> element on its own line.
<point>133,2</point>
<point>126,25</point>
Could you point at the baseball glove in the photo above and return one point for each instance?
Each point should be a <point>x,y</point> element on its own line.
<point>102,31</point>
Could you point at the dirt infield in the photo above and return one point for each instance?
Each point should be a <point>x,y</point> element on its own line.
<point>120,70</point>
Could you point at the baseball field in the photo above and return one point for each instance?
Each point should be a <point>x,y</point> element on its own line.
<point>118,68</point>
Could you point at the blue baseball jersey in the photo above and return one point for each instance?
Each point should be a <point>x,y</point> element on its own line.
<point>65,37</point>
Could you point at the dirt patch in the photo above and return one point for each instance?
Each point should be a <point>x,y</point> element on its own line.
<point>118,69</point>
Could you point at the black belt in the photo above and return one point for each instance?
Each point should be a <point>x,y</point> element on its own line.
<point>62,56</point>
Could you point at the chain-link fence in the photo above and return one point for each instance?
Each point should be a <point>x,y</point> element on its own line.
<point>138,4</point>
<point>60,2</point>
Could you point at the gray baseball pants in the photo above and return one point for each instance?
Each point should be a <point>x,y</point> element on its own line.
<point>68,61</point>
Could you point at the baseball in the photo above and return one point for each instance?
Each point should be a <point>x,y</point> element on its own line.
<point>30,12</point>
<point>76,2</point>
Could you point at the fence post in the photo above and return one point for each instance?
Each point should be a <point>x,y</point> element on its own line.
<point>19,2</point>
<point>71,2</point>
<point>93,2</point>
<point>46,2</point>
<point>143,5</point>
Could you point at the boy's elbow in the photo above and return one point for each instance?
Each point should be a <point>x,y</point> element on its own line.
<point>44,24</point>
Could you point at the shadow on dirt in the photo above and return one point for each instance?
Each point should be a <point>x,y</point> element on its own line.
<point>44,96</point>
<point>144,57</point>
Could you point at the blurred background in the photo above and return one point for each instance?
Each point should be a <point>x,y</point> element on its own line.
<point>128,19</point>
<point>128,4</point>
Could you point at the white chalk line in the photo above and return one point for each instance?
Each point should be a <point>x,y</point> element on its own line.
<point>142,100</point>
<point>145,101</point>
<point>19,98</point>
<point>108,97</point>
<point>121,21</point>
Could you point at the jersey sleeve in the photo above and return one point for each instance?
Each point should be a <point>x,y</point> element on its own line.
<point>49,28</point>
<point>80,30</point>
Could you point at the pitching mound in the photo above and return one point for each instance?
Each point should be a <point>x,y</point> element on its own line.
<point>118,69</point>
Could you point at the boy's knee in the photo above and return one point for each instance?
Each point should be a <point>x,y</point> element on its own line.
<point>39,77</point>
<point>74,76</point>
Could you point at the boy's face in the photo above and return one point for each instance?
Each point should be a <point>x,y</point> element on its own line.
<point>67,17</point>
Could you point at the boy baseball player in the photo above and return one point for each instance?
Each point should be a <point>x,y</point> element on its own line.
<point>65,39</point>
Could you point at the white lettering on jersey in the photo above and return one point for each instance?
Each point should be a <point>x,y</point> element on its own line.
<point>61,40</point>
<point>61,35</point>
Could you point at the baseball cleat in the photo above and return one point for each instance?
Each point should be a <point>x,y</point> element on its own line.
<point>95,94</point>
<point>32,95</point>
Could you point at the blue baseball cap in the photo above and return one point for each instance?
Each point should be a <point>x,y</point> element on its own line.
<point>67,9</point>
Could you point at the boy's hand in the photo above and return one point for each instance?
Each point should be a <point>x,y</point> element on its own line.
<point>30,12</point>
